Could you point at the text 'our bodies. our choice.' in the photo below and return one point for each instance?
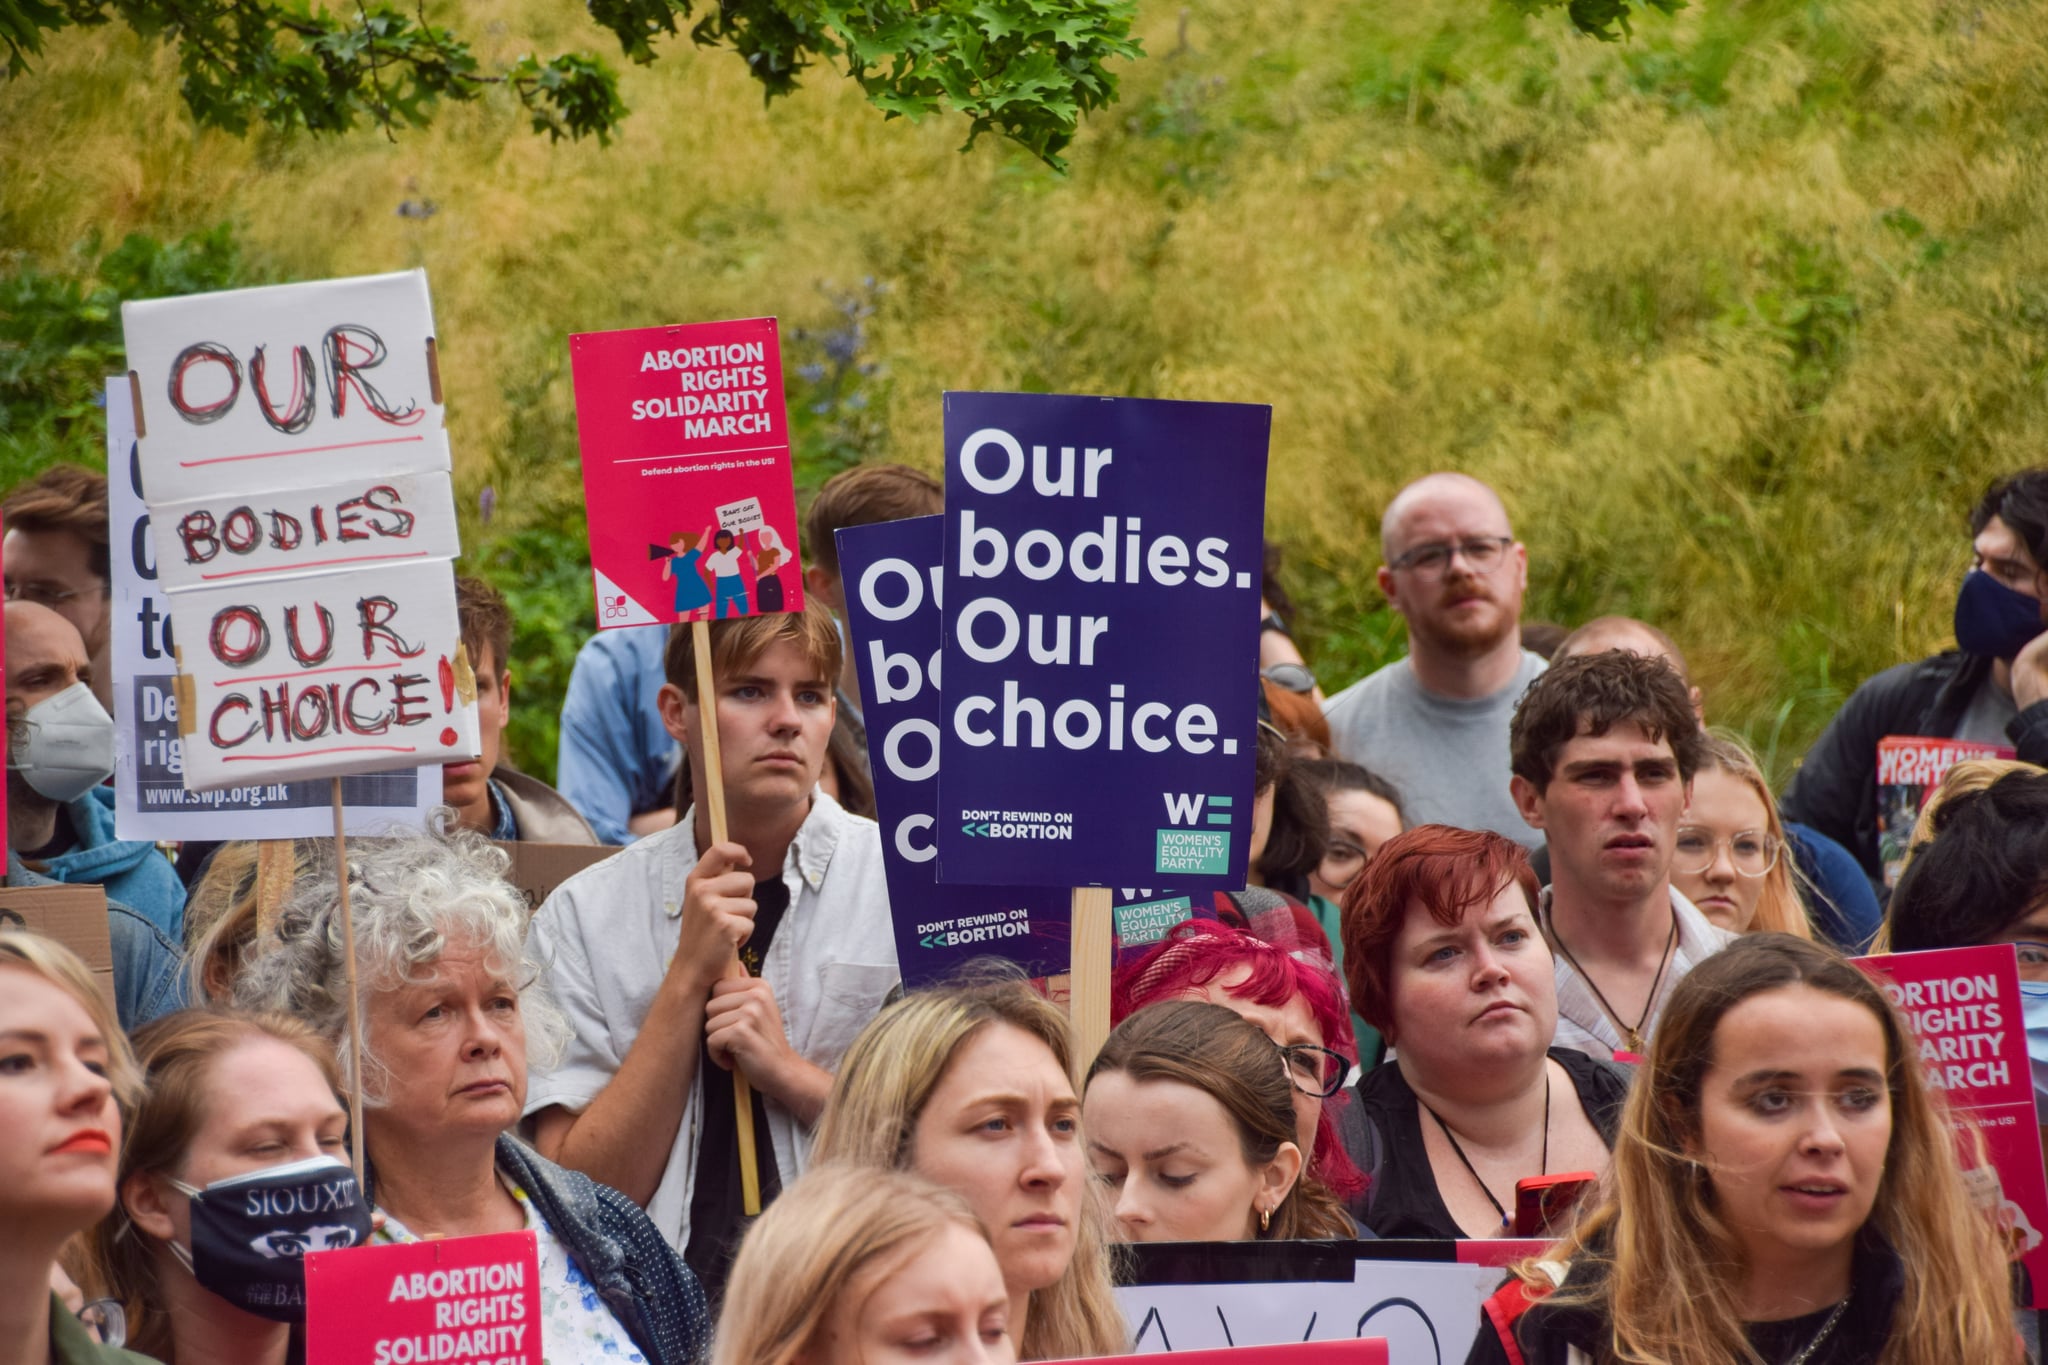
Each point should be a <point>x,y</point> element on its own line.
<point>1122,552</point>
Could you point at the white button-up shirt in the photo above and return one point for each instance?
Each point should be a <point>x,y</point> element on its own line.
<point>1582,1024</point>
<point>606,935</point>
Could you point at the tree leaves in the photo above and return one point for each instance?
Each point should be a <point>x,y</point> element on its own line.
<point>1026,70</point>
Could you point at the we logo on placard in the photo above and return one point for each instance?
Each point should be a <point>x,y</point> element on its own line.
<point>1185,808</point>
<point>1185,846</point>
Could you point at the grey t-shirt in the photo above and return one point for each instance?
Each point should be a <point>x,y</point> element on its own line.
<point>1447,756</point>
<point>1989,712</point>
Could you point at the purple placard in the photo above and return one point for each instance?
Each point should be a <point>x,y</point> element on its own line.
<point>1102,575</point>
<point>891,574</point>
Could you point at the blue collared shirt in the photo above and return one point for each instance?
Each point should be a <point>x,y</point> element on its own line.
<point>615,758</point>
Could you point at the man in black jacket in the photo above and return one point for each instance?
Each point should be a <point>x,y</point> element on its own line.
<point>1992,689</point>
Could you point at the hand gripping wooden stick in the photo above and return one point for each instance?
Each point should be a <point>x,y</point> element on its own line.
<point>714,805</point>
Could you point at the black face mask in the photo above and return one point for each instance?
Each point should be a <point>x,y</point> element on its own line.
<point>250,1233</point>
<point>1994,620</point>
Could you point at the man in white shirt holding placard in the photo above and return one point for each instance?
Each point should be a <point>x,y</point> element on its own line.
<point>638,947</point>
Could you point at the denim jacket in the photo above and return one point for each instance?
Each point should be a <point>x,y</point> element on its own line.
<point>635,1271</point>
<point>640,1277</point>
<point>149,977</point>
<point>615,759</point>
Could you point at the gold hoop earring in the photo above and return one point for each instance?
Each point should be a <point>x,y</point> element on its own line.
<point>1265,1219</point>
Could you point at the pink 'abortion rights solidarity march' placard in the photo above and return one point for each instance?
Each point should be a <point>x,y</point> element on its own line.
<point>686,472</point>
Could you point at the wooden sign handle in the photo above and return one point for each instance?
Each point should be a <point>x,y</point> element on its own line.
<point>1092,952</point>
<point>355,1004</point>
<point>714,805</point>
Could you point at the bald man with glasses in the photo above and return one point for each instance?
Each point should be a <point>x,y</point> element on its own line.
<point>1435,724</point>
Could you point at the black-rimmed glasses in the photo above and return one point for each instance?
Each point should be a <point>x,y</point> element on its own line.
<point>1318,1071</point>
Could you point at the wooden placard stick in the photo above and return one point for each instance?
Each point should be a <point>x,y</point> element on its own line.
<point>355,1004</point>
<point>714,805</point>
<point>1091,952</point>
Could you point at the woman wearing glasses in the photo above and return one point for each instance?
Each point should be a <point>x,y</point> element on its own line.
<point>1445,959</point>
<point>1190,1126</point>
<point>1285,989</point>
<point>1730,858</point>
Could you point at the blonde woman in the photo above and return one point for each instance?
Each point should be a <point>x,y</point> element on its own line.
<point>64,1070</point>
<point>972,1088</point>
<point>1785,1189</point>
<point>853,1266</point>
<point>1730,857</point>
<point>238,1132</point>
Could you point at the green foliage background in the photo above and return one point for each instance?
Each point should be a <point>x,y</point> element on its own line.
<point>1739,314</point>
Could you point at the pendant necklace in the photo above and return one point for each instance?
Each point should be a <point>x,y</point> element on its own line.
<point>1466,1161</point>
<point>1633,1036</point>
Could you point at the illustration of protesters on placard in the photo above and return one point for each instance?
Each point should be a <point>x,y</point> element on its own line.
<point>731,586</point>
<point>770,555</point>
<point>693,595</point>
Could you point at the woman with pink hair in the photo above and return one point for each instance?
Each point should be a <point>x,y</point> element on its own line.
<point>1293,996</point>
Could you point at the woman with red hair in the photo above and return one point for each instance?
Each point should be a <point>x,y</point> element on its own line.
<point>1292,995</point>
<point>1444,958</point>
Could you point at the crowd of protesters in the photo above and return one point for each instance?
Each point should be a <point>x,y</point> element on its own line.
<point>1519,929</point>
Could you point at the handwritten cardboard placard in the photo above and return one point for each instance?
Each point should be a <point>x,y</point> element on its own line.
<point>891,572</point>
<point>151,801</point>
<point>1102,578</point>
<point>313,677</point>
<point>457,1301</point>
<point>304,528</point>
<point>1421,1298</point>
<point>285,386</point>
<point>1963,1006</point>
<point>299,532</point>
<point>686,472</point>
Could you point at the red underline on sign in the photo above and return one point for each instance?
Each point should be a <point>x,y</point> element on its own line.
<point>702,454</point>
<point>317,564</point>
<point>316,753</point>
<point>302,673</point>
<point>306,450</point>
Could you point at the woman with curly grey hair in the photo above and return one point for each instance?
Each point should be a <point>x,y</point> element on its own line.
<point>452,1013</point>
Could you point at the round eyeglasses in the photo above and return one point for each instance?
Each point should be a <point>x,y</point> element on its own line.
<point>1752,852</point>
